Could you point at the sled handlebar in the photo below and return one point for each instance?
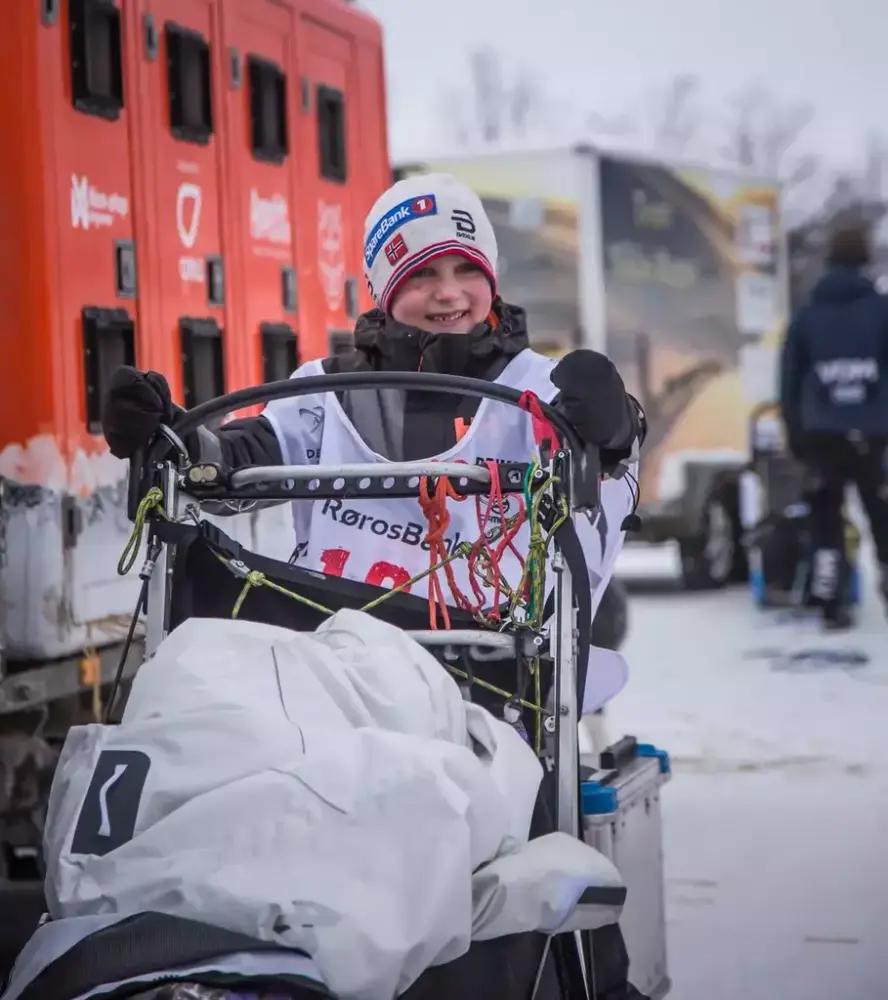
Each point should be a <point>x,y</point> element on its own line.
<point>276,473</point>
<point>585,467</point>
<point>311,384</point>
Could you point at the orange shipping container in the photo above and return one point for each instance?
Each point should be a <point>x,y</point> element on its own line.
<point>183,188</point>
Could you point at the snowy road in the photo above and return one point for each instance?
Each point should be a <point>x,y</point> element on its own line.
<point>776,822</point>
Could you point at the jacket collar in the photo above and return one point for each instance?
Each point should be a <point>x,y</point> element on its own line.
<point>392,346</point>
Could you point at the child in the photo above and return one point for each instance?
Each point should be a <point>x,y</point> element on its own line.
<point>430,258</point>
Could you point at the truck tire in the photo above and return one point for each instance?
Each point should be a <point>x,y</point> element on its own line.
<point>611,622</point>
<point>715,556</point>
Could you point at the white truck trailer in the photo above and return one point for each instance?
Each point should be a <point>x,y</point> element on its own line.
<point>677,273</point>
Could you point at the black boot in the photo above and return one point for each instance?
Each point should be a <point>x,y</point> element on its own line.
<point>838,619</point>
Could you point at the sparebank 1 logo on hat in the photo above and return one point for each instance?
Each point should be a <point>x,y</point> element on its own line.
<point>413,208</point>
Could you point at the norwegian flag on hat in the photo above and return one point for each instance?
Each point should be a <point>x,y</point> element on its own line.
<point>396,249</point>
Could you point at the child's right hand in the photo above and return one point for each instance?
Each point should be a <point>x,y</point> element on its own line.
<point>136,405</point>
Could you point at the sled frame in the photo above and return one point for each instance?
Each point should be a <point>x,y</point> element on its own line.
<point>168,465</point>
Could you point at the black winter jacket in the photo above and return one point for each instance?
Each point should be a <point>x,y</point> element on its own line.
<point>834,371</point>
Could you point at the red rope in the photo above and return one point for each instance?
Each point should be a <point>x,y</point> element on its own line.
<point>506,541</point>
<point>435,509</point>
<point>543,431</point>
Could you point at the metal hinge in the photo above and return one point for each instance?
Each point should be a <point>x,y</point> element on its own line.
<point>234,69</point>
<point>149,37</point>
<point>49,12</point>
<point>72,521</point>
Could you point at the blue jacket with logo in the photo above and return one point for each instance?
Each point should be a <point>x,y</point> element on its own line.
<point>834,371</point>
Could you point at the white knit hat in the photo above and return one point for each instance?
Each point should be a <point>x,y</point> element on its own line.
<point>418,219</point>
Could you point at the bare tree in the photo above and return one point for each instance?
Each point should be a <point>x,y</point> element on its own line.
<point>666,121</point>
<point>763,134</point>
<point>875,166</point>
<point>497,106</point>
<point>599,125</point>
<point>678,115</point>
<point>526,100</point>
<point>490,98</point>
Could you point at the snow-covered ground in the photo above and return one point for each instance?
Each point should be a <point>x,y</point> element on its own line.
<point>776,849</point>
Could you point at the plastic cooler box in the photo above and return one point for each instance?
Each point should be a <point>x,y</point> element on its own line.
<point>621,818</point>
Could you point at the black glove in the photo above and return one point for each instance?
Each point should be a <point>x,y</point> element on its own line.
<point>594,399</point>
<point>136,405</point>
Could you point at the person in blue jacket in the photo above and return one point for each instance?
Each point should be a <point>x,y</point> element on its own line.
<point>834,403</point>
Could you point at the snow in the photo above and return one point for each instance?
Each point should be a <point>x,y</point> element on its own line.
<point>774,823</point>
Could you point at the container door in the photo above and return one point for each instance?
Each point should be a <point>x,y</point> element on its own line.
<point>94,284</point>
<point>181,93</point>
<point>261,187</point>
<point>330,259</point>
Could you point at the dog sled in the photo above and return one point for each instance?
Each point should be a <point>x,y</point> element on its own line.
<point>518,647</point>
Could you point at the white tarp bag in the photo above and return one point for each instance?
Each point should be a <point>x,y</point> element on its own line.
<point>331,792</point>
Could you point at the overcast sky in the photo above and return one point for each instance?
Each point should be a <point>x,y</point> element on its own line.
<point>608,57</point>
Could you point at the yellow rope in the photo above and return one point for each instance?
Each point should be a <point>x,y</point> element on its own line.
<point>502,692</point>
<point>461,550</point>
<point>535,565</point>
<point>256,579</point>
<point>91,676</point>
<point>152,500</point>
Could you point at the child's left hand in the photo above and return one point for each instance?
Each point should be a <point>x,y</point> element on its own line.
<point>594,399</point>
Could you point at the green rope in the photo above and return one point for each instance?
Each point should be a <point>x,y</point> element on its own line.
<point>256,579</point>
<point>502,692</point>
<point>151,501</point>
